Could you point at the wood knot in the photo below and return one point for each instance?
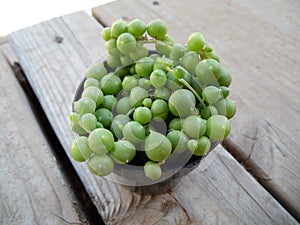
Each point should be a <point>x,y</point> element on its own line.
<point>167,206</point>
<point>58,39</point>
<point>125,18</point>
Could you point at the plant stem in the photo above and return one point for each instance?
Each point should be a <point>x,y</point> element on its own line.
<point>192,90</point>
<point>201,54</point>
<point>153,41</point>
<point>80,124</point>
<point>130,112</point>
<point>148,41</point>
<point>183,81</point>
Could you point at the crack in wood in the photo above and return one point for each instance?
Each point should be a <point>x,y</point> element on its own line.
<point>189,219</point>
<point>66,221</point>
<point>245,160</point>
<point>166,208</point>
<point>274,135</point>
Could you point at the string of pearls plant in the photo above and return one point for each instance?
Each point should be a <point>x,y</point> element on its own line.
<point>128,98</point>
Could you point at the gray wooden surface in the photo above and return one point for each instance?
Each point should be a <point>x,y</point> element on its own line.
<point>32,188</point>
<point>224,193</point>
<point>259,42</point>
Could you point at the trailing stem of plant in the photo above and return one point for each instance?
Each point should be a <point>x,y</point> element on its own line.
<point>187,85</point>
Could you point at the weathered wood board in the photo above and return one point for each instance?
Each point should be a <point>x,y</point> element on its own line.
<point>2,40</point>
<point>262,52</point>
<point>33,190</point>
<point>54,69</point>
<point>7,51</point>
<point>284,14</point>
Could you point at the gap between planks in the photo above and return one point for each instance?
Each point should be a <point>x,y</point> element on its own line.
<point>82,201</point>
<point>26,163</point>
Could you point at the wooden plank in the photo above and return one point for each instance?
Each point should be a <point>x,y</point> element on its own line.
<point>6,49</point>
<point>54,78</point>
<point>233,195</point>
<point>282,13</point>
<point>3,40</point>
<point>263,60</point>
<point>32,188</point>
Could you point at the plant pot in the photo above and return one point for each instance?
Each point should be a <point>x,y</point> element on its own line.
<point>160,124</point>
<point>132,175</point>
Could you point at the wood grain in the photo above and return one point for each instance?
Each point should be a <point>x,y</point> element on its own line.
<point>263,56</point>
<point>282,13</point>
<point>7,51</point>
<point>54,70</point>
<point>32,188</point>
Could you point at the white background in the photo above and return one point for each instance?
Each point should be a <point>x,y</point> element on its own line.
<point>17,14</point>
